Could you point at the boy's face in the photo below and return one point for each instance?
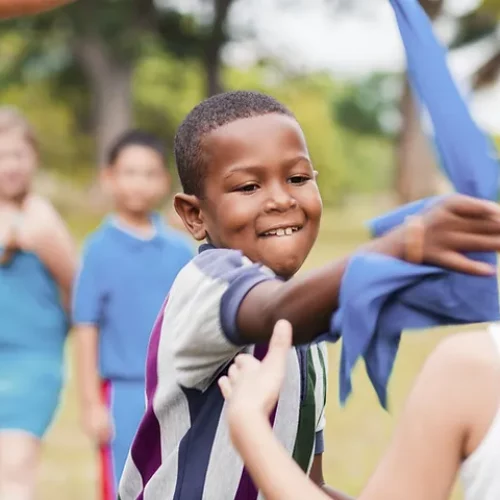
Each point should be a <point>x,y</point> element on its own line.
<point>138,180</point>
<point>260,193</point>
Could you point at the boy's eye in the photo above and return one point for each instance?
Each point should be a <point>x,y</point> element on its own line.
<point>248,188</point>
<point>298,179</point>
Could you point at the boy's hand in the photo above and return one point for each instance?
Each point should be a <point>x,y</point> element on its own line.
<point>461,224</point>
<point>97,423</point>
<point>252,385</point>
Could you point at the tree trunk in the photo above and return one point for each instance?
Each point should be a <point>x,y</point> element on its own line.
<point>110,81</point>
<point>215,43</point>
<point>213,70</point>
<point>417,175</point>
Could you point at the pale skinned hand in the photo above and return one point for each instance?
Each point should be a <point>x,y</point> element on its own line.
<point>252,385</point>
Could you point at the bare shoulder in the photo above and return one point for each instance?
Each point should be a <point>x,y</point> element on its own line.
<point>473,350</point>
<point>38,208</point>
<point>41,216</point>
<point>469,363</point>
<point>41,222</point>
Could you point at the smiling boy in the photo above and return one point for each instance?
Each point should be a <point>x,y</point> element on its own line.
<point>250,192</point>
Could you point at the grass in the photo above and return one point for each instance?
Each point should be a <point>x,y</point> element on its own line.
<point>356,435</point>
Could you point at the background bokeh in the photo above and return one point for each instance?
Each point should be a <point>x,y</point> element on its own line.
<point>84,73</point>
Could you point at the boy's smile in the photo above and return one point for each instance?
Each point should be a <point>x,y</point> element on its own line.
<point>260,192</point>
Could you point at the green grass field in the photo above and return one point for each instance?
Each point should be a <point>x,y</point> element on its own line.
<point>356,435</point>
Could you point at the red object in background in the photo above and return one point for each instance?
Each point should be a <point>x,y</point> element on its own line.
<point>107,482</point>
<point>15,8</point>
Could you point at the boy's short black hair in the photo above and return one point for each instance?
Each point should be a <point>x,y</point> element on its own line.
<point>135,137</point>
<point>207,116</point>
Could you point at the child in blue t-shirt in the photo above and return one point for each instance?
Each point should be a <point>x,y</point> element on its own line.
<point>129,264</point>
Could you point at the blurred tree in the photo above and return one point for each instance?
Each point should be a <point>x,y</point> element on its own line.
<point>369,106</point>
<point>416,173</point>
<point>100,42</point>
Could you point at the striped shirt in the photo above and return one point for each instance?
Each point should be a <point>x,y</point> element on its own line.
<point>182,450</point>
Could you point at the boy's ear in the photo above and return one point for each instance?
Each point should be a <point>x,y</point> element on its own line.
<point>187,207</point>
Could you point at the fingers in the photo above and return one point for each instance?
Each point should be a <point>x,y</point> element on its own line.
<point>466,206</point>
<point>246,366</point>
<point>245,361</point>
<point>242,364</point>
<point>488,226</point>
<point>466,242</point>
<point>280,344</point>
<point>233,372</point>
<point>282,336</point>
<point>462,264</point>
<point>225,387</point>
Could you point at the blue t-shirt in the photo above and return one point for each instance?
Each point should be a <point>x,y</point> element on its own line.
<point>120,288</point>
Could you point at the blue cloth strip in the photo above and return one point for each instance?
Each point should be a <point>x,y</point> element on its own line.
<point>381,296</point>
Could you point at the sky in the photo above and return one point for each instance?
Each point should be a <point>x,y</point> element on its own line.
<point>311,35</point>
<point>314,34</point>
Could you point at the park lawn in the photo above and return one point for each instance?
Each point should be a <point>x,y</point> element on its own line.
<point>356,435</point>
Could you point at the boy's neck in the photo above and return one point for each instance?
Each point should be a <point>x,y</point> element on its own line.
<point>208,244</point>
<point>139,223</point>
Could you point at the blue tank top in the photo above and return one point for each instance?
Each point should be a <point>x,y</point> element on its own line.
<point>32,319</point>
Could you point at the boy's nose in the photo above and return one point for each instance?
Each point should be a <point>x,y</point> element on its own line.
<point>280,200</point>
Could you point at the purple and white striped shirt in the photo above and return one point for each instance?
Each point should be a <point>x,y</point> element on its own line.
<point>182,450</point>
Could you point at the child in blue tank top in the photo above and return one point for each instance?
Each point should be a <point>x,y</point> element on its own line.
<point>128,266</point>
<point>37,261</point>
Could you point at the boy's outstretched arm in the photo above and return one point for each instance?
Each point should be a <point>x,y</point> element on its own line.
<point>455,225</point>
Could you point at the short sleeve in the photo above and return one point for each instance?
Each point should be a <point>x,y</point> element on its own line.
<point>319,442</point>
<point>201,311</point>
<point>87,289</point>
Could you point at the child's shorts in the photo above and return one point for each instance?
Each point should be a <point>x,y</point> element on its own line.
<point>126,400</point>
<point>30,389</point>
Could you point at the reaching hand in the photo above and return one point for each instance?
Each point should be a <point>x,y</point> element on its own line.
<point>253,385</point>
<point>461,224</point>
<point>97,423</point>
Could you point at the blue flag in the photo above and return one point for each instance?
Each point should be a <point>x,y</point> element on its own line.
<point>380,295</point>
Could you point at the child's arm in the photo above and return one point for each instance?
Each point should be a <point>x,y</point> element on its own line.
<point>251,390</point>
<point>271,467</point>
<point>448,413</point>
<point>88,300</point>
<point>447,416</point>
<point>54,245</point>
<point>455,225</point>
<point>95,416</point>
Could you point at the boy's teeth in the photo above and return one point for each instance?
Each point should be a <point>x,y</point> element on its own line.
<point>282,231</point>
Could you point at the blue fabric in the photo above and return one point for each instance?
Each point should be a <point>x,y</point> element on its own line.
<point>380,296</point>
<point>122,283</point>
<point>33,328</point>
